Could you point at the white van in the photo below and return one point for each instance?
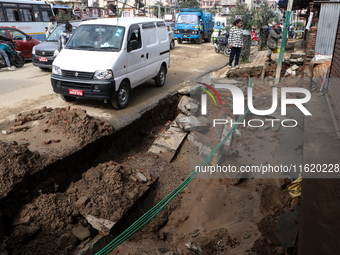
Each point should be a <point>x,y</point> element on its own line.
<point>105,59</point>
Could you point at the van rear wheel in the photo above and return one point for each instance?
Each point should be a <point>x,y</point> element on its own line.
<point>122,96</point>
<point>161,76</point>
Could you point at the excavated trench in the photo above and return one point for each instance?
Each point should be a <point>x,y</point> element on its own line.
<point>57,178</point>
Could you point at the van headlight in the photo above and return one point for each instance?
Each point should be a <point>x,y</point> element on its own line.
<point>56,70</point>
<point>55,53</point>
<point>103,74</point>
<point>33,50</point>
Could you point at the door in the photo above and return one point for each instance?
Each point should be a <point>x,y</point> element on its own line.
<point>135,57</point>
<point>325,39</point>
<point>21,40</point>
<point>151,49</point>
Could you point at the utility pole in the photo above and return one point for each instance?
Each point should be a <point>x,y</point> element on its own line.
<point>283,42</point>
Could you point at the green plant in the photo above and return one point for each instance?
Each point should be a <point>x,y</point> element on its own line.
<point>63,17</point>
<point>189,3</point>
<point>213,11</point>
<point>264,15</point>
<point>242,12</point>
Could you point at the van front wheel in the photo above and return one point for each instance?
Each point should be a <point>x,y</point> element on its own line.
<point>122,96</point>
<point>161,76</point>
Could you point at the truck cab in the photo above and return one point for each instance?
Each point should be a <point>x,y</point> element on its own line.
<point>193,24</point>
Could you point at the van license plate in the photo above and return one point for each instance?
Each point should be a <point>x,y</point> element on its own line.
<point>75,92</point>
<point>43,59</point>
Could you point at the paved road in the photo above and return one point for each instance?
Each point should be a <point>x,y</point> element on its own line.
<point>29,87</point>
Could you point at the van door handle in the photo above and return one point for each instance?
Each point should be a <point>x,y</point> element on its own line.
<point>142,56</point>
<point>147,55</point>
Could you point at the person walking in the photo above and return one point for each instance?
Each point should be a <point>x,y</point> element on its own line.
<point>50,27</point>
<point>4,54</point>
<point>272,42</point>
<point>235,42</point>
<point>64,36</point>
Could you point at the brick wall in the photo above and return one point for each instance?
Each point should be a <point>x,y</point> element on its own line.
<point>311,38</point>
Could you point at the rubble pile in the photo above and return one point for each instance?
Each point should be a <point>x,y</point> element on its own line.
<point>57,223</point>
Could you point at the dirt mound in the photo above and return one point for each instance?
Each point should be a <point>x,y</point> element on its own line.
<point>17,161</point>
<point>78,125</point>
<point>105,192</point>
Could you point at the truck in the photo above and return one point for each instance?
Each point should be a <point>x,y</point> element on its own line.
<point>193,24</point>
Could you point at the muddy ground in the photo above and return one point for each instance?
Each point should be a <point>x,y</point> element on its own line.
<point>46,211</point>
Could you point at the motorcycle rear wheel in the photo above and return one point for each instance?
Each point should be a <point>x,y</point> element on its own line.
<point>19,60</point>
<point>217,50</point>
<point>227,51</point>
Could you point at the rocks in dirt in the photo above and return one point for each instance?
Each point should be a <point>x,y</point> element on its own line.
<point>141,177</point>
<point>66,241</point>
<point>4,132</point>
<point>162,251</point>
<point>81,233</point>
<point>19,128</point>
<point>92,174</point>
<point>187,105</point>
<point>102,225</point>
<point>17,161</point>
<point>82,201</point>
<point>47,141</point>
<point>295,67</point>
<point>276,127</point>
<point>187,90</point>
<point>24,234</point>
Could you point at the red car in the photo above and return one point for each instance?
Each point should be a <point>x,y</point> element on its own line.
<point>24,42</point>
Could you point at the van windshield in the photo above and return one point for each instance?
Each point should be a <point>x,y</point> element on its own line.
<point>97,38</point>
<point>187,19</point>
<point>54,36</point>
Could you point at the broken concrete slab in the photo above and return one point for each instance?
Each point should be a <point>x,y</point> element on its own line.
<point>81,233</point>
<point>101,225</point>
<point>190,123</point>
<point>187,90</point>
<point>185,100</point>
<point>170,139</point>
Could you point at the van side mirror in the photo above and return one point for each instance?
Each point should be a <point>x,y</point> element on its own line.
<point>133,45</point>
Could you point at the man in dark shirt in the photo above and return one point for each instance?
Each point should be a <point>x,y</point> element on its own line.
<point>3,53</point>
<point>65,36</point>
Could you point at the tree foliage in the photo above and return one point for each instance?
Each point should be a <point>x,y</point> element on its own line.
<point>264,15</point>
<point>63,17</point>
<point>213,11</point>
<point>241,11</point>
<point>189,4</point>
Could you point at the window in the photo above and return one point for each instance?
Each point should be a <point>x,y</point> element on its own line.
<point>134,34</point>
<point>126,14</point>
<point>36,13</point>
<point>96,37</point>
<point>12,14</point>
<point>2,16</point>
<point>17,35</point>
<point>27,14</point>
<point>3,33</point>
<point>46,13</point>
<point>149,31</point>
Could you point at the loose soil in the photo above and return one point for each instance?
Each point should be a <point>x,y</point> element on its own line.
<point>210,216</point>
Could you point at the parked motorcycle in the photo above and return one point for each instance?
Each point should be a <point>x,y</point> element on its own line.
<point>221,44</point>
<point>16,58</point>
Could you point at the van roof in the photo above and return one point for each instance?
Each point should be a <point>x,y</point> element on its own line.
<point>122,21</point>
